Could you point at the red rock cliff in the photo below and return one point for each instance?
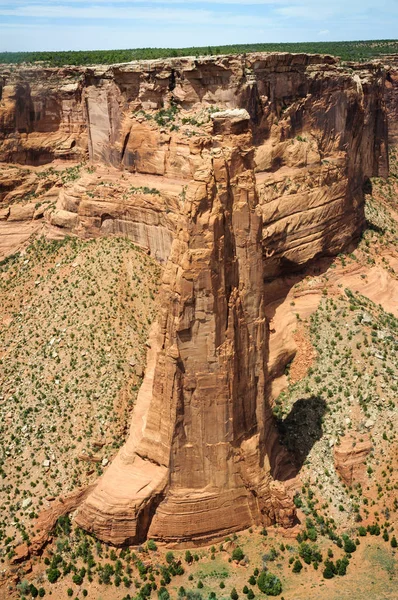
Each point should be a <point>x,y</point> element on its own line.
<point>318,132</point>
<point>270,154</point>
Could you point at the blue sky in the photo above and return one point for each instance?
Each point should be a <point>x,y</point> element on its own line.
<point>101,24</point>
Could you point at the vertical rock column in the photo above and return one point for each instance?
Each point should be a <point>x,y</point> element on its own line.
<point>218,335</point>
<point>197,442</point>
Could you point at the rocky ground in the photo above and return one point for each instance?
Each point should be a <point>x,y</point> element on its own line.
<point>75,320</point>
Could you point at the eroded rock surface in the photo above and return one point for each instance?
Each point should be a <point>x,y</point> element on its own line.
<point>350,458</point>
<point>318,133</point>
<point>236,170</point>
<point>392,98</point>
<point>199,447</point>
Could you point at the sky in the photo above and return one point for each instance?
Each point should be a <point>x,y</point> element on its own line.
<point>102,24</point>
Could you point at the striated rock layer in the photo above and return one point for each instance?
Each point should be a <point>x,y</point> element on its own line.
<point>350,458</point>
<point>196,457</point>
<point>318,132</point>
<point>392,98</point>
<point>255,166</point>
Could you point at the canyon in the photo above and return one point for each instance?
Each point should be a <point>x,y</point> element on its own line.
<point>235,173</point>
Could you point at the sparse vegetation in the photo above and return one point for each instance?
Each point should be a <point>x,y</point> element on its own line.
<point>76,321</point>
<point>355,50</point>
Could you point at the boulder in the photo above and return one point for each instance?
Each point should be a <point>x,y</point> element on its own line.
<point>350,458</point>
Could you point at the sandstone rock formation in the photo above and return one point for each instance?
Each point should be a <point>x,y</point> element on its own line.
<point>41,118</point>
<point>392,98</point>
<point>242,169</point>
<point>47,522</point>
<point>205,427</point>
<point>350,458</point>
<point>305,113</point>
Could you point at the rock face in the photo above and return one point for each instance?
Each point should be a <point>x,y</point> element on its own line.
<point>41,116</point>
<point>392,99</point>
<point>350,458</point>
<point>259,163</point>
<point>197,452</point>
<point>318,133</point>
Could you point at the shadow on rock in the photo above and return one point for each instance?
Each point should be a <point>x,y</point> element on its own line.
<point>301,428</point>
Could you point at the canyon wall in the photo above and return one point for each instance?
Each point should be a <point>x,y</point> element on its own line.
<point>391,98</point>
<point>318,132</point>
<point>41,115</point>
<point>255,166</point>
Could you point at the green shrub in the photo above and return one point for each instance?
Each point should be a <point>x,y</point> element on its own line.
<point>311,533</point>
<point>341,566</point>
<point>169,557</point>
<point>349,545</point>
<point>194,595</point>
<point>269,584</point>
<point>298,565</point>
<point>237,554</point>
<point>163,594</point>
<point>305,552</point>
<point>329,570</point>
<point>374,529</point>
<point>297,501</point>
<point>24,587</point>
<point>144,190</point>
<point>53,575</point>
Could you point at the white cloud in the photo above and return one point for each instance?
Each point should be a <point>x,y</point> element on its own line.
<point>318,10</point>
<point>92,24</point>
<point>169,15</point>
<point>313,10</point>
<point>4,3</point>
<point>16,37</point>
